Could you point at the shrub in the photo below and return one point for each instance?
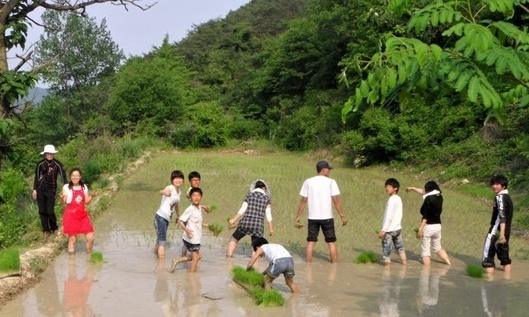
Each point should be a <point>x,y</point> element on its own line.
<point>367,257</point>
<point>9,260</point>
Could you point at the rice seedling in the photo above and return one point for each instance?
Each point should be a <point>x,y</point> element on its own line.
<point>367,257</point>
<point>475,271</point>
<point>267,298</point>
<point>249,278</point>
<point>9,260</point>
<point>215,228</point>
<point>96,257</point>
<point>253,282</point>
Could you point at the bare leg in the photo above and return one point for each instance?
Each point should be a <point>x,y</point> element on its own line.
<point>195,257</point>
<point>290,283</point>
<point>402,256</point>
<point>161,251</point>
<point>183,253</point>
<point>507,268</point>
<point>310,250</point>
<point>426,260</point>
<point>442,254</point>
<point>333,252</point>
<point>268,282</point>
<point>71,244</point>
<point>89,242</point>
<point>232,245</point>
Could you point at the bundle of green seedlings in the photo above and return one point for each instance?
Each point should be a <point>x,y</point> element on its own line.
<point>475,271</point>
<point>253,282</point>
<point>367,257</point>
<point>96,257</point>
<point>216,228</point>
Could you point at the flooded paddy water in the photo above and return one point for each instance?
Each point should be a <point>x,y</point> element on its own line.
<point>132,282</point>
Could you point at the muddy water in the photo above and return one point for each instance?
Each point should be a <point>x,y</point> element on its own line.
<point>132,282</point>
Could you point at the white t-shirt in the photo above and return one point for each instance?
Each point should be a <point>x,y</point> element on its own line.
<point>274,251</point>
<point>319,191</point>
<point>192,216</point>
<point>166,205</point>
<point>392,214</point>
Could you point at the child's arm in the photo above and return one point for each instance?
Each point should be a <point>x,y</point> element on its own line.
<point>254,258</point>
<point>268,213</point>
<point>166,191</point>
<point>188,231</point>
<point>239,214</point>
<point>301,209</point>
<point>419,191</point>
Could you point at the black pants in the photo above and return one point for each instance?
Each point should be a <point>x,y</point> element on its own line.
<point>46,203</point>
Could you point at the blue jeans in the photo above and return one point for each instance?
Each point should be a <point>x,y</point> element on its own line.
<point>392,238</point>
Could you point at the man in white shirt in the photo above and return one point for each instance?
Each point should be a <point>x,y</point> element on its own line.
<point>320,192</point>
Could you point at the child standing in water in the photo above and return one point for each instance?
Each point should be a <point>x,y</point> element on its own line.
<point>391,232</point>
<point>191,222</point>
<point>170,199</point>
<point>76,219</point>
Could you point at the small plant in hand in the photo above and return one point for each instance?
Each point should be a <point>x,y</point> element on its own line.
<point>9,260</point>
<point>367,257</point>
<point>475,271</point>
<point>253,282</point>
<point>96,257</point>
<point>416,230</point>
<point>216,229</point>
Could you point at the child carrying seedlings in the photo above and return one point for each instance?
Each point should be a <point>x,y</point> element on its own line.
<point>191,222</point>
<point>497,241</point>
<point>391,232</point>
<point>280,262</point>
<point>256,206</point>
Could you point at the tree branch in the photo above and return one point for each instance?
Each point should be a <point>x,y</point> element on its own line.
<point>524,8</point>
<point>23,60</point>
<point>66,6</point>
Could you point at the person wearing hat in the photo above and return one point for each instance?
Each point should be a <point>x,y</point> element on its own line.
<point>45,189</point>
<point>320,193</point>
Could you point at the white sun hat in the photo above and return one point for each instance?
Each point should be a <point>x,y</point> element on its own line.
<point>49,148</point>
<point>267,192</point>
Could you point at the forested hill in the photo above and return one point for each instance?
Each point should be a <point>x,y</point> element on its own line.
<point>425,92</point>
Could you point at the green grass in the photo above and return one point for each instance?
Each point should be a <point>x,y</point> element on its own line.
<point>285,173</point>
<point>254,282</point>
<point>96,257</point>
<point>475,271</point>
<point>9,260</point>
<point>366,257</point>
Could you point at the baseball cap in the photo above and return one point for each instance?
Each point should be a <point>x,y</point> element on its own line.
<point>321,165</point>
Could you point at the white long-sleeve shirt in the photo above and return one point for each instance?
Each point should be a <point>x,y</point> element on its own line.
<point>392,214</point>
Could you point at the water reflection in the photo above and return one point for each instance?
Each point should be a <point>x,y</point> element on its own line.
<point>428,295</point>
<point>494,296</point>
<point>389,301</point>
<point>77,290</point>
<point>162,296</point>
<point>48,298</point>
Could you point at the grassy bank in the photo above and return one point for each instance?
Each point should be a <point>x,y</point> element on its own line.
<point>226,177</point>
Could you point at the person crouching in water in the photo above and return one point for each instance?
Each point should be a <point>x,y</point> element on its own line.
<point>280,262</point>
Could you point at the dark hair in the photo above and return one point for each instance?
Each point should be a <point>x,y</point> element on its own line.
<point>195,190</point>
<point>500,179</point>
<point>70,183</point>
<point>260,184</point>
<point>431,185</point>
<point>393,183</point>
<point>259,242</point>
<point>193,174</point>
<point>176,174</point>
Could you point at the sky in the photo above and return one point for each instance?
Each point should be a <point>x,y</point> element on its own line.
<point>137,32</point>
